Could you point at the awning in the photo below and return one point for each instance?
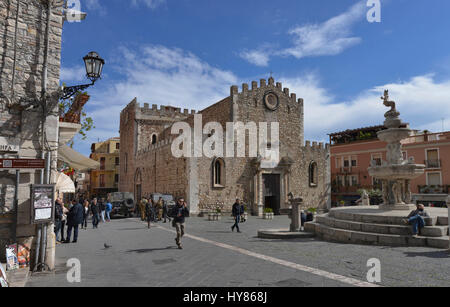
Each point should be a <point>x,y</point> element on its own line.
<point>76,160</point>
<point>64,184</point>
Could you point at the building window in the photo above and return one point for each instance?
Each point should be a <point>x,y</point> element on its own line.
<point>102,180</point>
<point>218,173</point>
<point>117,146</point>
<point>117,161</point>
<point>432,156</point>
<point>354,180</point>
<point>116,178</point>
<point>338,163</point>
<point>434,179</point>
<point>354,161</point>
<point>377,158</point>
<point>154,139</point>
<point>102,163</point>
<point>313,174</point>
<point>346,162</point>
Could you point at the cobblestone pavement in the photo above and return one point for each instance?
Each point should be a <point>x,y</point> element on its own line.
<point>148,257</point>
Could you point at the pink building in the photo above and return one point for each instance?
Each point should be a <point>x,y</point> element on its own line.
<point>353,150</point>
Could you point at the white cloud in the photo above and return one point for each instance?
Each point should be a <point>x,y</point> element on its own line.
<point>422,102</point>
<point>152,4</point>
<point>328,38</point>
<point>73,74</point>
<point>256,57</point>
<point>155,75</point>
<point>94,5</point>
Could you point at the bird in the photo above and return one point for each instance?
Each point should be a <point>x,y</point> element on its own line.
<point>106,246</point>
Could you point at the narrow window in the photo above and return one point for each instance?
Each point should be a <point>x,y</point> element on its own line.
<point>313,176</point>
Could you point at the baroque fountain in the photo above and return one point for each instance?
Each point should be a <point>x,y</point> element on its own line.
<point>396,173</point>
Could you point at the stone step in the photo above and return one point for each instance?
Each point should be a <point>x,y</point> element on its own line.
<point>383,219</point>
<point>359,237</point>
<point>428,231</point>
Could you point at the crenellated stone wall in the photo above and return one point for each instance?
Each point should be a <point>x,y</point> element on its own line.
<point>156,170</point>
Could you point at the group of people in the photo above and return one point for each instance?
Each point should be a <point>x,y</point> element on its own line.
<point>76,214</point>
<point>153,211</point>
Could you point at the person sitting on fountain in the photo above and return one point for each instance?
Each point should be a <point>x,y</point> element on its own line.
<point>416,219</point>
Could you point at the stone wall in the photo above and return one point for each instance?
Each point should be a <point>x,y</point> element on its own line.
<point>154,167</point>
<point>22,48</point>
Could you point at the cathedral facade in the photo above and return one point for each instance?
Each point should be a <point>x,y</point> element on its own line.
<point>148,165</point>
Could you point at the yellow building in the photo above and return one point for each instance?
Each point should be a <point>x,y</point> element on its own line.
<point>105,179</point>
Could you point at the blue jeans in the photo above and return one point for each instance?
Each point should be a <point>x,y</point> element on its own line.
<point>57,229</point>
<point>417,223</point>
<point>108,217</point>
<point>236,222</point>
<point>95,220</point>
<point>75,232</point>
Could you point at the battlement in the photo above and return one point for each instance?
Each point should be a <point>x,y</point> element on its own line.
<point>162,110</point>
<point>263,83</point>
<point>317,146</point>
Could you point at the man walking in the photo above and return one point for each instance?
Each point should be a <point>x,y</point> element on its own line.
<point>236,211</point>
<point>180,211</point>
<point>102,208</point>
<point>148,212</point>
<point>95,213</point>
<point>108,211</point>
<point>166,212</point>
<point>85,214</point>
<point>74,219</point>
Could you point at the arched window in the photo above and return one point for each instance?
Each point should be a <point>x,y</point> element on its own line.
<point>218,173</point>
<point>154,139</point>
<point>313,174</point>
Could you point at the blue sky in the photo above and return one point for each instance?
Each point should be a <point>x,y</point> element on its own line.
<point>187,53</point>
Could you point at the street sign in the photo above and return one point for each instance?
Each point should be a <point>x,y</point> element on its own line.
<point>22,163</point>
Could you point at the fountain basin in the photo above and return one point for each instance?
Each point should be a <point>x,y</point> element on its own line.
<point>393,135</point>
<point>397,171</point>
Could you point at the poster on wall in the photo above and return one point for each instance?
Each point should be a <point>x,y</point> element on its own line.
<point>42,203</point>
<point>12,262</point>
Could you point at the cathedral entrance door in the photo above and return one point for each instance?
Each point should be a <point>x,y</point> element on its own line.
<point>271,192</point>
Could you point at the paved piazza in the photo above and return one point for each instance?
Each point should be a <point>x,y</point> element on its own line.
<point>213,256</point>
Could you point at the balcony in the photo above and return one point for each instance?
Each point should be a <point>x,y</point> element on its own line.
<point>433,163</point>
<point>434,189</point>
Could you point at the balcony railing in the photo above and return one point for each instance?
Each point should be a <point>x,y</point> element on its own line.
<point>434,189</point>
<point>433,163</point>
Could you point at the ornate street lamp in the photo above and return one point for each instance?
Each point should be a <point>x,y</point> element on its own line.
<point>94,67</point>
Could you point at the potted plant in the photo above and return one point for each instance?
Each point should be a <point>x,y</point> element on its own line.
<point>268,214</point>
<point>215,216</point>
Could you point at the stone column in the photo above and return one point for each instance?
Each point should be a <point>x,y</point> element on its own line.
<point>296,222</point>
<point>260,195</point>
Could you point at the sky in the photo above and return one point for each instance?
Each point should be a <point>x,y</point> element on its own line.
<point>187,53</point>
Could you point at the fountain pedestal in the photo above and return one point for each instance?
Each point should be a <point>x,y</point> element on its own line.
<point>396,173</point>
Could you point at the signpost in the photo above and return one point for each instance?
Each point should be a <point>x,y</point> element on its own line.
<point>22,163</point>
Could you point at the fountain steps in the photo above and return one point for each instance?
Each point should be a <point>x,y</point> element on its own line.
<point>353,226</point>
<point>380,218</point>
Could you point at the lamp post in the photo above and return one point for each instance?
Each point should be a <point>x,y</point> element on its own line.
<point>94,67</point>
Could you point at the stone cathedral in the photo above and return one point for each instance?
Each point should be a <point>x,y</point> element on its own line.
<point>148,166</point>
